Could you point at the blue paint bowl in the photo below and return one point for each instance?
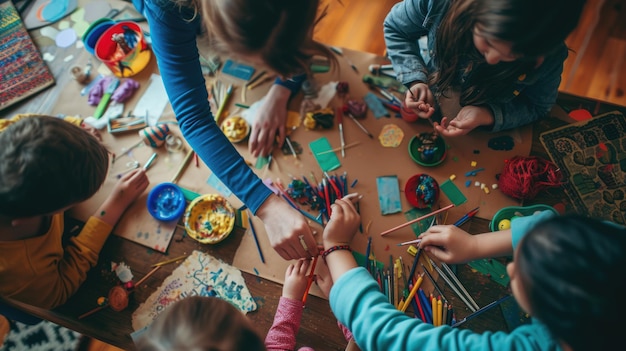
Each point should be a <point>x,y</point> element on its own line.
<point>94,32</point>
<point>166,202</point>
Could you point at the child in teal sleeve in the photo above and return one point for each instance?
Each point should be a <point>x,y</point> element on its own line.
<point>566,273</point>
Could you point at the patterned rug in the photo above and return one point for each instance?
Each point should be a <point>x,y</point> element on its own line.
<point>44,336</point>
<point>592,156</point>
<point>22,69</point>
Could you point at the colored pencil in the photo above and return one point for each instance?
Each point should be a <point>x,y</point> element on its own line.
<point>256,238</point>
<point>147,275</point>
<point>453,287</point>
<point>483,309</point>
<point>182,167</point>
<point>416,286</point>
<point>310,282</point>
<point>149,162</point>
<point>416,241</point>
<point>163,263</point>
<point>466,217</point>
<point>417,219</point>
<point>432,280</point>
<point>458,283</point>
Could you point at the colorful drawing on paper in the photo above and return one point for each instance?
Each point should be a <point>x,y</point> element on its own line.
<point>199,275</point>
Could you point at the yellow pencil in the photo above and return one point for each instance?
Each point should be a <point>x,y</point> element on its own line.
<point>439,311</point>
<point>412,293</point>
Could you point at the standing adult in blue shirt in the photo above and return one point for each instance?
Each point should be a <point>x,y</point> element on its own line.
<point>276,35</point>
<point>503,58</point>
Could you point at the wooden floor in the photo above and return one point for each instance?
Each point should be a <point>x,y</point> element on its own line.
<point>596,68</point>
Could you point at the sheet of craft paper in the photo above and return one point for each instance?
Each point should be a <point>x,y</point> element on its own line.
<point>388,194</point>
<point>199,275</point>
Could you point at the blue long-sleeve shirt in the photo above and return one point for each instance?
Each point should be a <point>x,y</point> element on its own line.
<point>529,98</point>
<point>357,302</point>
<point>173,31</point>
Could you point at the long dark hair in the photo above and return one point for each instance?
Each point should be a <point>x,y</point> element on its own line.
<point>535,27</point>
<point>572,270</point>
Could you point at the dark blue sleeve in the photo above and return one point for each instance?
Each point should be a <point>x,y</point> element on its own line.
<point>173,35</point>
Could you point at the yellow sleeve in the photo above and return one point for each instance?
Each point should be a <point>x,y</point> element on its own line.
<point>51,274</point>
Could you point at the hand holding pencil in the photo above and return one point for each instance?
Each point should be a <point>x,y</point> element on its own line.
<point>448,243</point>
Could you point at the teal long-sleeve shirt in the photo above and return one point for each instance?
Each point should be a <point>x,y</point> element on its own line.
<point>357,302</point>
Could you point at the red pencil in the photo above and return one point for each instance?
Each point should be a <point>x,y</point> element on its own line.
<point>310,282</point>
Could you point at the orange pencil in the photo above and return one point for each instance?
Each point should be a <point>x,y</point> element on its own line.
<point>433,303</point>
<point>439,311</point>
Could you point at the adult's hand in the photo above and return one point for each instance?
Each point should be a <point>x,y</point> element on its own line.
<point>287,229</point>
<point>269,124</point>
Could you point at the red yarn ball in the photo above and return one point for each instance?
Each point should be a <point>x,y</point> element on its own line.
<point>524,177</point>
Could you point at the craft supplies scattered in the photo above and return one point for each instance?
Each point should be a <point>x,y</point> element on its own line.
<point>422,191</point>
<point>209,219</point>
<point>106,97</point>
<point>237,70</point>
<point>123,49</point>
<point>319,118</point>
<point>456,286</point>
<point>417,219</point>
<point>388,194</point>
<point>166,202</point>
<point>427,149</point>
<point>236,128</point>
<point>176,259</point>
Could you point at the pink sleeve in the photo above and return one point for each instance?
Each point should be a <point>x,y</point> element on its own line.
<point>346,332</point>
<point>282,334</point>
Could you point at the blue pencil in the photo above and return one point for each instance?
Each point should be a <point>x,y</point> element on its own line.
<point>485,308</point>
<point>466,217</point>
<point>426,306</point>
<point>256,239</point>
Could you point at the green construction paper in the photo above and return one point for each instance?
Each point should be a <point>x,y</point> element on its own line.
<point>327,161</point>
<point>360,260</point>
<point>453,192</point>
<point>261,161</point>
<point>420,226</point>
<point>494,268</point>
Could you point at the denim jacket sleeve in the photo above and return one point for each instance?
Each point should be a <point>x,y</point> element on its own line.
<point>404,25</point>
<point>532,96</point>
<point>174,33</point>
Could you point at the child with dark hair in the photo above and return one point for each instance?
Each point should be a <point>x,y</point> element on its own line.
<point>566,273</point>
<point>48,165</point>
<point>504,58</point>
<point>210,323</point>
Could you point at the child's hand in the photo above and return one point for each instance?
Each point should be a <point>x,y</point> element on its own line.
<point>343,223</point>
<point>468,118</point>
<point>323,279</point>
<point>296,279</point>
<point>129,187</point>
<point>420,100</point>
<point>448,243</point>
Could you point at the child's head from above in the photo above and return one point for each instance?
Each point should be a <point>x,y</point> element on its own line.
<point>46,165</point>
<point>514,29</point>
<point>201,323</point>
<point>270,34</point>
<point>568,273</point>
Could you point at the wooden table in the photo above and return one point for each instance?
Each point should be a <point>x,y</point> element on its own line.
<point>318,328</point>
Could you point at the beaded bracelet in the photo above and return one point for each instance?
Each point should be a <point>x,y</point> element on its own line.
<point>335,248</point>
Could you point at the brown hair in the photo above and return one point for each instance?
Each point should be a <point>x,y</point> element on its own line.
<point>48,164</point>
<point>279,32</point>
<point>199,323</point>
<point>534,27</point>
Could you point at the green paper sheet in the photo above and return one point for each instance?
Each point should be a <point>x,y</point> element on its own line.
<point>453,192</point>
<point>327,161</point>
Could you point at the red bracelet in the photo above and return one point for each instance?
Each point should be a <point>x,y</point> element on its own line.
<point>335,248</point>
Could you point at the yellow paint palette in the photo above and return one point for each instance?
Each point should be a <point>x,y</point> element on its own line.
<point>209,219</point>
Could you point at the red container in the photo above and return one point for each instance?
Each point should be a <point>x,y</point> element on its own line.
<point>123,49</point>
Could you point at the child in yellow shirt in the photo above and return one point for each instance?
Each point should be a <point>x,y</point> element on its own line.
<point>47,166</point>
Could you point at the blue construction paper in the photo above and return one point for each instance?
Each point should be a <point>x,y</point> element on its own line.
<point>238,70</point>
<point>388,194</point>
